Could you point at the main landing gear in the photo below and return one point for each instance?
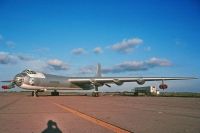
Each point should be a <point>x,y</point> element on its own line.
<point>35,93</point>
<point>55,93</point>
<point>95,93</point>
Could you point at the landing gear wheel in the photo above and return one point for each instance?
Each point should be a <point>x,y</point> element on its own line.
<point>35,93</point>
<point>95,94</point>
<point>55,93</point>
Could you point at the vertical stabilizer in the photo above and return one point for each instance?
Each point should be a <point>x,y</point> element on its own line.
<point>98,73</point>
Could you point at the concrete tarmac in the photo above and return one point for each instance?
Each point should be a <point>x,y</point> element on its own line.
<point>21,113</point>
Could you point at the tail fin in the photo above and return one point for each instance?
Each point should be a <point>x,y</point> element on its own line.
<point>98,73</point>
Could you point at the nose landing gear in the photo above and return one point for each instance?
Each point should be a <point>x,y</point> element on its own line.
<point>35,93</point>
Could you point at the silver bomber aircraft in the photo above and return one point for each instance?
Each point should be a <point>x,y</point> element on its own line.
<point>40,82</point>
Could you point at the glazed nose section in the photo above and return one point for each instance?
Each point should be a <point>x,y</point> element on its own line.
<point>19,79</point>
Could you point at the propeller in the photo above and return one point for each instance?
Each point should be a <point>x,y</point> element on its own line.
<point>8,86</point>
<point>107,85</point>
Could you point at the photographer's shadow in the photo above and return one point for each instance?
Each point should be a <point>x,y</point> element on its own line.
<point>52,127</point>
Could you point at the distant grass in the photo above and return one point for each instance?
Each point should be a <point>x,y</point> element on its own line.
<point>179,94</point>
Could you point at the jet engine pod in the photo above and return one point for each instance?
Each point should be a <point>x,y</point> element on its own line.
<point>163,86</point>
<point>140,81</point>
<point>117,82</point>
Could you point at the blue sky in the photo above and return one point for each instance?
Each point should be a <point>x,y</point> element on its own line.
<point>129,38</point>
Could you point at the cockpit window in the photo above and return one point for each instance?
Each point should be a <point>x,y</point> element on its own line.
<point>22,74</point>
<point>28,71</point>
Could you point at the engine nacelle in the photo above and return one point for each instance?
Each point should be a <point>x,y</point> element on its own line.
<point>117,82</point>
<point>95,83</point>
<point>163,86</point>
<point>140,81</point>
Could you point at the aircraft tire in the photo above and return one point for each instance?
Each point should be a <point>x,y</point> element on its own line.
<point>36,93</point>
<point>55,93</point>
<point>33,93</point>
<point>95,94</point>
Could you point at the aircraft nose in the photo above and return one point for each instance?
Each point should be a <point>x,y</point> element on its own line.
<point>19,79</point>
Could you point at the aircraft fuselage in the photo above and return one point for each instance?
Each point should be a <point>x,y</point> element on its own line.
<point>42,81</point>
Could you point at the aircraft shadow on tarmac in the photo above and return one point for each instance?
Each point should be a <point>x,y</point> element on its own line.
<point>52,127</point>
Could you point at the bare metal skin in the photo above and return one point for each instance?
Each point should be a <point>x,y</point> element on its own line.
<point>38,81</point>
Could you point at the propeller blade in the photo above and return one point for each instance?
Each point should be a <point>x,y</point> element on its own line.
<point>108,85</point>
<point>10,85</point>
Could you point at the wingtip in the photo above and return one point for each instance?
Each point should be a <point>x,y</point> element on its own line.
<point>192,78</point>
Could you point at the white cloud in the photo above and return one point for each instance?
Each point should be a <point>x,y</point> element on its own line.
<point>87,70</point>
<point>78,51</point>
<point>10,44</point>
<point>24,61</point>
<point>6,58</point>
<point>138,65</point>
<point>56,64</point>
<point>97,50</point>
<point>24,57</point>
<point>148,48</point>
<point>42,50</point>
<point>126,66</point>
<point>158,62</point>
<point>127,46</point>
<point>34,64</point>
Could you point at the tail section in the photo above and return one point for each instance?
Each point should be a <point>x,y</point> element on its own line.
<point>98,73</point>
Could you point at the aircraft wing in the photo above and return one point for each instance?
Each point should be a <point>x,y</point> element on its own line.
<point>7,81</point>
<point>120,80</point>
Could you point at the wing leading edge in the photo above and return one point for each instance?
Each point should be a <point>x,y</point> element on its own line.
<point>100,81</point>
<point>121,80</point>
